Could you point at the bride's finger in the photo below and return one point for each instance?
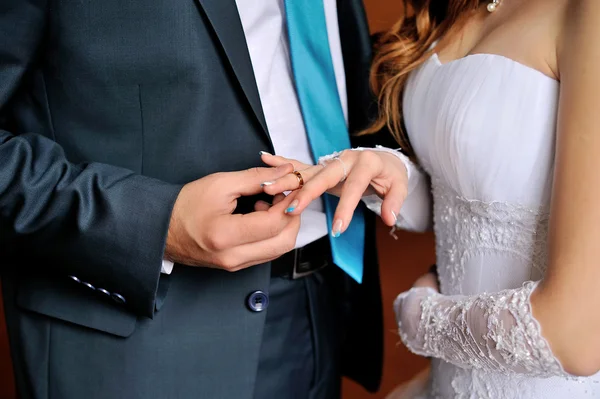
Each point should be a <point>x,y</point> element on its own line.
<point>262,206</point>
<point>324,181</point>
<point>352,191</point>
<point>276,160</point>
<point>291,181</point>
<point>393,201</point>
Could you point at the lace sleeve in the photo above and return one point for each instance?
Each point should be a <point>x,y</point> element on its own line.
<point>416,212</point>
<point>493,332</point>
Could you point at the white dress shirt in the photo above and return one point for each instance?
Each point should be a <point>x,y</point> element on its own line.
<point>265,29</point>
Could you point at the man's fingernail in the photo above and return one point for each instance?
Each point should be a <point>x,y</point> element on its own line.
<point>395,217</point>
<point>264,153</point>
<point>292,206</point>
<point>282,167</point>
<point>266,183</point>
<point>337,228</point>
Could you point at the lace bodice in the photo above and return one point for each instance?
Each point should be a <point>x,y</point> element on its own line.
<point>498,231</point>
<point>483,129</point>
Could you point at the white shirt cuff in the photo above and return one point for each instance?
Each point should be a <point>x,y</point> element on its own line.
<point>167,267</point>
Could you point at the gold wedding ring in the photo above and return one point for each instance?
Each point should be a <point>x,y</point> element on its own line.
<point>300,179</point>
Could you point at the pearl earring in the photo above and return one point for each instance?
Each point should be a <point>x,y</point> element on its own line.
<point>491,7</point>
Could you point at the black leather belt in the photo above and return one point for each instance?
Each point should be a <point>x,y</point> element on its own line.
<point>302,262</point>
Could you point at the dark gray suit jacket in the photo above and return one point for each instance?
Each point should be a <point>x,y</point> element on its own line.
<point>107,107</point>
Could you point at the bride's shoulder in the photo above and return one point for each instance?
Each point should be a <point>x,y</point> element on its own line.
<point>579,15</point>
<point>580,29</point>
<point>573,5</point>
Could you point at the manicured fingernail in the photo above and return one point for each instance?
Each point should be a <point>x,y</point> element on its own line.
<point>264,153</point>
<point>337,228</point>
<point>292,206</point>
<point>266,183</point>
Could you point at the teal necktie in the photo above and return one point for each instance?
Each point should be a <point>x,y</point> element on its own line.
<point>323,115</point>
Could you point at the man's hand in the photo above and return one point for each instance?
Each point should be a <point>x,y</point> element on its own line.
<point>204,232</point>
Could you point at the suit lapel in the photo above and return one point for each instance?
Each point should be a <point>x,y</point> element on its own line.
<point>225,20</point>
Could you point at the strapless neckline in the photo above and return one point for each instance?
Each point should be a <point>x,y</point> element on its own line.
<point>466,59</point>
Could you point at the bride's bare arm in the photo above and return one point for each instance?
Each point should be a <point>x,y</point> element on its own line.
<point>567,300</point>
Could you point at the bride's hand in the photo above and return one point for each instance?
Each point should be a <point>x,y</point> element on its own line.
<point>407,306</point>
<point>429,280</point>
<point>350,176</point>
<point>413,388</point>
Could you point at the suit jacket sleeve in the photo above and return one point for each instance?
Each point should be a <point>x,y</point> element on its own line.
<point>103,224</point>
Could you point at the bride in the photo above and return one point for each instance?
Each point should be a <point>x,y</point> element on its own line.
<point>498,103</point>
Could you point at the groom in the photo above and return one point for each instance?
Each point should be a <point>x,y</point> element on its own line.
<point>124,273</point>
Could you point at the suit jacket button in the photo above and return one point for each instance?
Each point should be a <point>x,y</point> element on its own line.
<point>91,287</point>
<point>103,291</point>
<point>118,298</point>
<point>258,301</point>
<point>74,278</point>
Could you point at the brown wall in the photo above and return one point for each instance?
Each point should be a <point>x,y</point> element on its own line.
<point>382,13</point>
<point>402,262</point>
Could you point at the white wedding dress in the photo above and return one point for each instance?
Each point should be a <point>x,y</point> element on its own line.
<point>483,129</point>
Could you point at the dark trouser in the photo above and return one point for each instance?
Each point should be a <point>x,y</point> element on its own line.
<point>299,353</point>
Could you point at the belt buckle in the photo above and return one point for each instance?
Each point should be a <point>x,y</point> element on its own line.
<point>299,273</point>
